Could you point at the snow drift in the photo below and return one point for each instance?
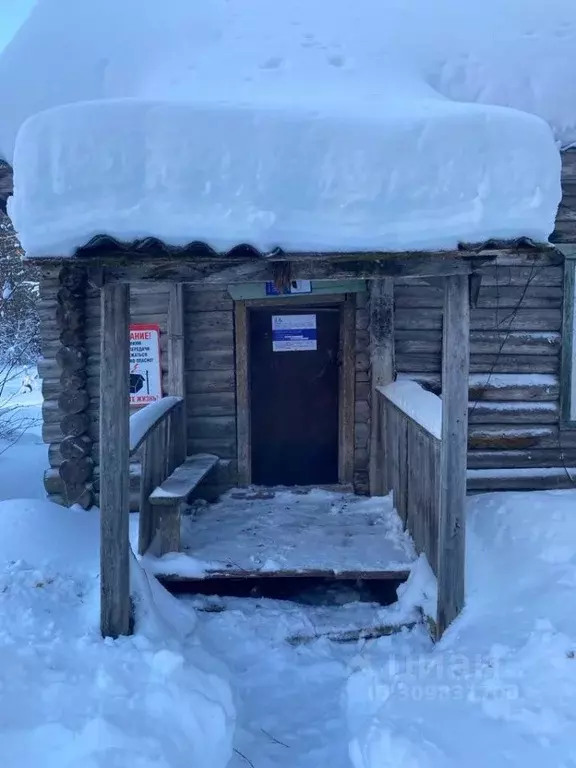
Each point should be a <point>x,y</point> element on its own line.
<point>69,698</point>
<point>500,689</point>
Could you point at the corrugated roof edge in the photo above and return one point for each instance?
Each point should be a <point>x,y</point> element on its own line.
<point>105,246</point>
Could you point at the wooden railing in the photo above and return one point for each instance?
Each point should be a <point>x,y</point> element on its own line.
<point>410,455</point>
<point>158,436</point>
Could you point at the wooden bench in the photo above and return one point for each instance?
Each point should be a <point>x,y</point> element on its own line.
<point>166,501</point>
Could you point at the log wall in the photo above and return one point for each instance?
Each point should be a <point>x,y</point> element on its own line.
<point>515,342</point>
<point>209,375</point>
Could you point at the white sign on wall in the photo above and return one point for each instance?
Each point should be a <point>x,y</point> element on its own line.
<point>145,370</point>
<point>293,333</point>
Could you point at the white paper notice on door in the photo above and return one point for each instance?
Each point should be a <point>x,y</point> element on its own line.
<point>293,333</point>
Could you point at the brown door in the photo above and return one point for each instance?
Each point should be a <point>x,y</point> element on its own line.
<point>294,395</point>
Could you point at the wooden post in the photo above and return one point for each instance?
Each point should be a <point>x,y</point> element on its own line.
<point>243,432</point>
<point>453,451</point>
<point>115,613</point>
<point>347,389</point>
<point>382,373</point>
<point>176,354</point>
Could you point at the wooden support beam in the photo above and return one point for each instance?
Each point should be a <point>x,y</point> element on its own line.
<point>177,351</point>
<point>231,270</point>
<point>347,390</point>
<point>382,373</point>
<point>453,454</point>
<point>115,611</point>
<point>243,434</point>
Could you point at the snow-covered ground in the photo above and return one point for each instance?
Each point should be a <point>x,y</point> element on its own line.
<point>500,689</point>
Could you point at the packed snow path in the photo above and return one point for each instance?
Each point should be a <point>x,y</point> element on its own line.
<point>291,708</point>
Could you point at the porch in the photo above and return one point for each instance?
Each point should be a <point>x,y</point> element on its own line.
<point>423,465</point>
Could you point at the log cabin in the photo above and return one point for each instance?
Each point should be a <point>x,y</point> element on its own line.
<point>428,374</point>
<point>520,382</point>
<point>486,330</point>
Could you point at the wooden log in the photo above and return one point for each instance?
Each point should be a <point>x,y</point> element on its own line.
<point>70,315</point>
<point>453,452</point>
<point>212,404</point>
<point>531,479</point>
<point>75,424</point>
<point>71,358</point>
<point>76,471</point>
<point>424,363</point>
<point>73,278</point>
<point>70,337</point>
<point>76,447</point>
<point>504,387</point>
<point>526,296</point>
<point>71,380</point>
<point>484,319</point>
<point>482,343</point>
<point>115,613</point>
<point>73,401</point>
<point>516,412</point>
<point>522,458</point>
<point>358,266</point>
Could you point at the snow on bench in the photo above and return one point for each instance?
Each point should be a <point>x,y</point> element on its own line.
<point>185,478</point>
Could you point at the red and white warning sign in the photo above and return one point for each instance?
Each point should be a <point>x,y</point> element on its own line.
<point>145,370</point>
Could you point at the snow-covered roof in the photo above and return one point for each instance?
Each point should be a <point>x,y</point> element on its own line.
<point>388,124</point>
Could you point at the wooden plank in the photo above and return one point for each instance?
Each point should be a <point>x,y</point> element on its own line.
<point>527,296</point>
<point>517,458</point>
<point>183,480</point>
<point>500,437</point>
<point>151,475</point>
<point>224,271</point>
<point>115,618</point>
<point>532,479</point>
<point>453,452</point>
<point>243,432</point>
<point>213,427</point>
<point>423,460</point>
<point>567,361</point>
<point>176,354</point>
<point>382,373</point>
<point>484,319</point>
<point>232,573</point>
<point>426,342</point>
<point>176,342</point>
<point>198,382</point>
<point>501,387</point>
<point>212,404</point>
<point>208,321</point>
<point>495,364</point>
<point>346,433</point>
<point>516,412</point>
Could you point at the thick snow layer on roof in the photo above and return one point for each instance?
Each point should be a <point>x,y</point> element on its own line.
<point>428,175</point>
<point>305,125</point>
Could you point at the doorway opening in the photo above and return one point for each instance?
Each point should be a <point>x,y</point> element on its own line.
<point>295,391</point>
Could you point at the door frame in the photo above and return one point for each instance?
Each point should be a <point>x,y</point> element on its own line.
<point>346,303</point>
